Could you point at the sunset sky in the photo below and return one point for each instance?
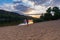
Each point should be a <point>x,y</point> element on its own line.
<point>28,6</point>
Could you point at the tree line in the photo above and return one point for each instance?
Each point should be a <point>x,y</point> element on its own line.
<point>10,18</point>
<point>51,14</point>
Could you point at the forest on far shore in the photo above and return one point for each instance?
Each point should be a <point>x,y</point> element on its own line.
<point>11,18</point>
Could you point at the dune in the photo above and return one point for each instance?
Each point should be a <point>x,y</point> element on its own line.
<point>49,30</point>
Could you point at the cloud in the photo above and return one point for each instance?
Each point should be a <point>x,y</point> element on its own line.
<point>21,8</point>
<point>37,2</point>
<point>8,7</point>
<point>16,0</point>
<point>28,4</point>
<point>56,3</point>
<point>23,5</point>
<point>39,6</point>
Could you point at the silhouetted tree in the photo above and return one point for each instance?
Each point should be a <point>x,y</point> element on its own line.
<point>56,11</point>
<point>49,10</point>
<point>48,15</point>
<point>42,17</point>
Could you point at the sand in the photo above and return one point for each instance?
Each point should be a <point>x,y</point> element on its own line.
<point>39,31</point>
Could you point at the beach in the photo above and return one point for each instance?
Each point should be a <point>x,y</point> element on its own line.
<point>49,30</point>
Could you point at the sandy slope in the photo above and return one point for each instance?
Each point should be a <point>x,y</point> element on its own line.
<point>40,31</point>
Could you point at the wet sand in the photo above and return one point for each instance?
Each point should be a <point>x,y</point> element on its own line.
<point>39,31</point>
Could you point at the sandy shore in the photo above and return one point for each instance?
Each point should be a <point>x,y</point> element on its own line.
<point>39,31</point>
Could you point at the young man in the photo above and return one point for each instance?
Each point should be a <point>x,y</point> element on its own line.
<point>27,21</point>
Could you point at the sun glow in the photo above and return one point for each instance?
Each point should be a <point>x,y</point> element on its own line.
<point>30,21</point>
<point>30,12</point>
<point>35,16</point>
